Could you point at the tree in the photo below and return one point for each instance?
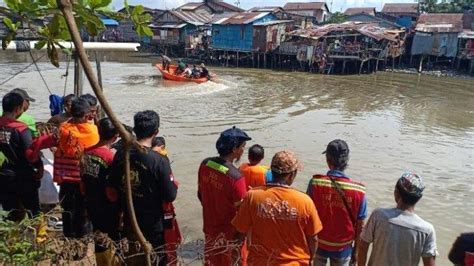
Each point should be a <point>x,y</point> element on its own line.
<point>63,20</point>
<point>446,6</point>
<point>335,18</point>
<point>54,29</point>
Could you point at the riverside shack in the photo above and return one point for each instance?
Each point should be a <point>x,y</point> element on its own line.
<point>405,14</point>
<point>177,31</point>
<point>465,56</point>
<point>437,36</point>
<point>332,47</point>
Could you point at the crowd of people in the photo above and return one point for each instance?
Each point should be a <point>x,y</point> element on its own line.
<point>251,214</point>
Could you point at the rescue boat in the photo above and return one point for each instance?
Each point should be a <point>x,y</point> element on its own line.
<point>169,76</point>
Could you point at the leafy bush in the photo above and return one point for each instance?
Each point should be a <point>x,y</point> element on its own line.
<point>18,241</point>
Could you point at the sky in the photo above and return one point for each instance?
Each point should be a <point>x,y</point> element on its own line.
<point>334,5</point>
<point>337,5</point>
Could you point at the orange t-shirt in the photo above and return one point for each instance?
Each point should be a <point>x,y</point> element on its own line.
<point>254,175</point>
<point>277,220</point>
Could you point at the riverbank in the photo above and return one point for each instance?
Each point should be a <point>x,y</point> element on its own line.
<point>152,59</point>
<point>392,122</point>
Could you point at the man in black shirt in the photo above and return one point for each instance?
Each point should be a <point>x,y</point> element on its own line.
<point>151,182</point>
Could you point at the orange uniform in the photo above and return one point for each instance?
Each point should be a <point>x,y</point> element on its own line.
<point>254,174</point>
<point>277,221</point>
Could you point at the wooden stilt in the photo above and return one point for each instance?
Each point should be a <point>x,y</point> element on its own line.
<point>360,67</point>
<point>264,60</point>
<point>238,58</point>
<point>227,59</point>
<point>420,67</point>
<point>253,60</point>
<point>279,61</point>
<point>344,66</point>
<point>377,65</point>
<point>258,59</point>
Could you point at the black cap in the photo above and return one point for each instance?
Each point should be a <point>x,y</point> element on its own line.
<point>337,148</point>
<point>23,94</point>
<point>230,138</point>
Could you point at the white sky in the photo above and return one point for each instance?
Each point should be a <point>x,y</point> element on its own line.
<point>337,5</point>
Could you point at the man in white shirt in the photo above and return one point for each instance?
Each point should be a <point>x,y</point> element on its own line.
<point>399,237</point>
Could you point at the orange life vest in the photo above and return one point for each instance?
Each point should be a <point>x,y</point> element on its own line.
<point>74,139</point>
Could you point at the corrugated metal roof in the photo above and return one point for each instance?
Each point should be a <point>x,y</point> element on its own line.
<point>190,6</point>
<point>368,29</point>
<point>191,17</point>
<point>266,9</point>
<point>304,6</point>
<point>358,10</point>
<point>466,34</point>
<point>218,18</point>
<point>440,23</point>
<point>168,26</point>
<point>400,8</point>
<point>228,6</point>
<point>244,18</point>
<point>274,22</point>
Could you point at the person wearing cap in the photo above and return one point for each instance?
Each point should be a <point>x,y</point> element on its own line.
<point>24,117</point>
<point>281,223</point>
<point>342,206</point>
<point>221,188</point>
<point>19,176</point>
<point>399,236</point>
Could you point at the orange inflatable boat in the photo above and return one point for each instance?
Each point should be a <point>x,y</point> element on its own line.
<point>171,76</point>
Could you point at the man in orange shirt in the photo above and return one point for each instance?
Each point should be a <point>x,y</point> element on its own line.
<point>253,172</point>
<point>281,223</point>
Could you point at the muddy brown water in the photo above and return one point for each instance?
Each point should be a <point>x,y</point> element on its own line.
<point>392,122</point>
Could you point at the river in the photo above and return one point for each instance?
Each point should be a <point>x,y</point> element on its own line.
<point>392,123</point>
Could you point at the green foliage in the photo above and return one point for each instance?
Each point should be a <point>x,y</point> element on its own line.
<point>335,18</point>
<point>54,29</point>
<point>446,6</point>
<point>17,241</point>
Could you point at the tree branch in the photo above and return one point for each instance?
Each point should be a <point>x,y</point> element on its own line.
<point>66,8</point>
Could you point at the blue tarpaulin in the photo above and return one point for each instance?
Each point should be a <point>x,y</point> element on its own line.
<point>109,22</point>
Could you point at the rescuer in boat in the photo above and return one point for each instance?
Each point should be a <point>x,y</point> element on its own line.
<point>166,62</point>
<point>204,72</point>
<point>195,73</point>
<point>181,67</point>
<point>187,72</point>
